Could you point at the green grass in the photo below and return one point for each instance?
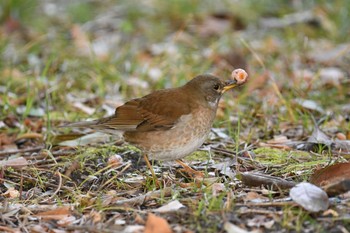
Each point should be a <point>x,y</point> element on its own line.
<point>42,62</point>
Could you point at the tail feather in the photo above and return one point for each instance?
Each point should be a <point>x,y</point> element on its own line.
<point>81,124</point>
<point>100,125</point>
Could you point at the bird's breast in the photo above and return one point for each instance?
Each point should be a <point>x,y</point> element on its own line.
<point>187,135</point>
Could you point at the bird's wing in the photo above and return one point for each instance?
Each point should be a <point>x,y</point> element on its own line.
<point>162,110</point>
<point>157,111</point>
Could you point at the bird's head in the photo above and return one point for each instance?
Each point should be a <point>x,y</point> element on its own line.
<point>210,88</point>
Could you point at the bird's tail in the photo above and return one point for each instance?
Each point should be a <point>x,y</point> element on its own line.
<point>81,124</point>
<point>100,125</point>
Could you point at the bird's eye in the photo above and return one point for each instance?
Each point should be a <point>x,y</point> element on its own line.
<point>216,87</point>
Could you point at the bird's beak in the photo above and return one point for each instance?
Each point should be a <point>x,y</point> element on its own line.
<point>229,85</point>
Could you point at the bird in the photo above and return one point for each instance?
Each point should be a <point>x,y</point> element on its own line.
<point>169,124</point>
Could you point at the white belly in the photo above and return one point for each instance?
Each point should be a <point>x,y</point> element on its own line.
<point>180,151</point>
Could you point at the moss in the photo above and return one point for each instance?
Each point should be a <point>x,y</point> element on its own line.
<point>286,162</point>
<point>198,156</point>
<point>274,156</point>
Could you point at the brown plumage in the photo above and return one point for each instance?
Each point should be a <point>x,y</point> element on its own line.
<point>171,123</point>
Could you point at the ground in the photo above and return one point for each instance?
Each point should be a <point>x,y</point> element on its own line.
<point>66,61</point>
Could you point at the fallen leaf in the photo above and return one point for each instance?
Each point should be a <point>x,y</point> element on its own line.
<point>334,179</point>
<point>319,137</point>
<point>56,214</point>
<point>66,220</point>
<point>330,174</point>
<point>134,229</point>
<point>310,197</point>
<point>6,139</point>
<point>232,228</point>
<point>30,136</point>
<point>254,197</point>
<point>16,163</point>
<point>38,229</point>
<point>170,207</point>
<point>11,193</point>
<point>157,224</point>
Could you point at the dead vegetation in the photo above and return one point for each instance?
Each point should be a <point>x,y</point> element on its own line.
<point>277,159</point>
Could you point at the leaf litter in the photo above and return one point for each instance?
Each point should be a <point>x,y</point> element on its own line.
<point>264,141</point>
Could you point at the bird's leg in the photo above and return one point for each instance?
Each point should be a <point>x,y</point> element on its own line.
<point>193,173</point>
<point>145,157</point>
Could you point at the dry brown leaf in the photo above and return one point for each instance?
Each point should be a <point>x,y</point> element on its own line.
<point>9,229</point>
<point>255,197</point>
<point>6,139</point>
<point>56,214</point>
<point>66,221</point>
<point>30,136</point>
<point>334,179</point>
<point>38,229</point>
<point>331,174</point>
<point>11,193</point>
<point>157,224</point>
<point>19,162</point>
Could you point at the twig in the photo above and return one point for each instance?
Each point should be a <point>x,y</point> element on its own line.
<point>90,229</point>
<point>7,229</point>
<point>266,204</point>
<point>33,179</point>
<point>257,179</point>
<point>146,197</point>
<point>259,211</point>
<point>21,151</point>
<point>58,188</point>
<point>21,186</point>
